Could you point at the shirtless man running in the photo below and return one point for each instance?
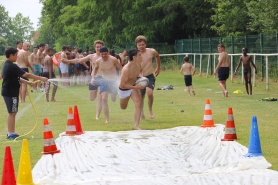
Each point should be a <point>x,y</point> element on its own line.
<point>147,71</point>
<point>246,61</point>
<point>23,62</point>
<point>223,68</point>
<point>93,89</point>
<point>35,63</point>
<point>127,89</point>
<point>107,65</point>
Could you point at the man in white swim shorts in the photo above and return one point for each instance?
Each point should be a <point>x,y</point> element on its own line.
<point>127,89</point>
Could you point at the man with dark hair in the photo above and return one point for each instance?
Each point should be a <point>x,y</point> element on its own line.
<point>10,87</point>
<point>127,89</point>
<point>64,66</point>
<point>72,67</point>
<point>223,68</point>
<point>19,44</point>
<point>41,59</point>
<point>34,61</point>
<point>48,72</point>
<point>106,65</point>
<point>246,61</point>
<point>147,55</point>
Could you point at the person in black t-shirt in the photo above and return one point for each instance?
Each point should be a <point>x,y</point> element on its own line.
<point>12,76</point>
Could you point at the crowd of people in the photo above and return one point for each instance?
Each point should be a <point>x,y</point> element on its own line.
<point>103,71</point>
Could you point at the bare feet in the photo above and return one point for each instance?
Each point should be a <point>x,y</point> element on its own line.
<point>106,121</point>
<point>226,93</point>
<point>193,93</point>
<point>136,128</point>
<point>143,116</point>
<point>151,115</point>
<point>97,117</point>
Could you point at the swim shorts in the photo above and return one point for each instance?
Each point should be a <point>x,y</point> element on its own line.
<point>123,93</point>
<point>37,68</point>
<point>188,80</point>
<point>223,73</point>
<point>247,71</point>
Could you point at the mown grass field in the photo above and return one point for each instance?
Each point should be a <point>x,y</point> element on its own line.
<point>167,109</point>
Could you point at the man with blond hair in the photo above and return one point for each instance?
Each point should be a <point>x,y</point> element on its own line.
<point>23,62</point>
<point>147,71</point>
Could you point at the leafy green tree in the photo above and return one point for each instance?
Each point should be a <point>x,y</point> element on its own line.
<point>4,22</point>
<point>230,17</point>
<point>21,29</point>
<point>3,45</point>
<point>264,16</point>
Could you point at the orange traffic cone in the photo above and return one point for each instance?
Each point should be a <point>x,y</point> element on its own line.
<point>70,129</point>
<point>208,121</point>
<point>230,131</point>
<point>77,121</point>
<point>8,176</point>
<point>49,143</point>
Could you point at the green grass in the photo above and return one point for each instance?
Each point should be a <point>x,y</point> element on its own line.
<point>167,108</point>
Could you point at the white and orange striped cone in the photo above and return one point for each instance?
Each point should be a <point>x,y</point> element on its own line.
<point>208,121</point>
<point>230,131</point>
<point>71,128</point>
<point>49,143</point>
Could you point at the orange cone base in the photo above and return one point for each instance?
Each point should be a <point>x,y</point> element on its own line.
<point>79,133</point>
<point>207,126</point>
<point>52,152</point>
<point>68,134</point>
<point>228,139</point>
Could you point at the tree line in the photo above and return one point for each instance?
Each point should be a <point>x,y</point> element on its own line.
<point>13,29</point>
<point>80,22</point>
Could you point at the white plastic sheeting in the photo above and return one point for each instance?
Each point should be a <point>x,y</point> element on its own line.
<point>179,156</point>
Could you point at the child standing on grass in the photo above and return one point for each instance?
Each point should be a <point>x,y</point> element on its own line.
<point>246,61</point>
<point>11,75</point>
<point>188,71</point>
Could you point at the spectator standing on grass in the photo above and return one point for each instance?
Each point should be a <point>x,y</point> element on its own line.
<point>223,68</point>
<point>188,70</point>
<point>10,87</point>
<point>246,60</point>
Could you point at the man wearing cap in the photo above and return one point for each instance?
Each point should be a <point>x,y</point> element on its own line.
<point>106,67</point>
<point>94,89</point>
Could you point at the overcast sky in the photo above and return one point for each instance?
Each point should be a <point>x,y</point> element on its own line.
<point>28,8</point>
